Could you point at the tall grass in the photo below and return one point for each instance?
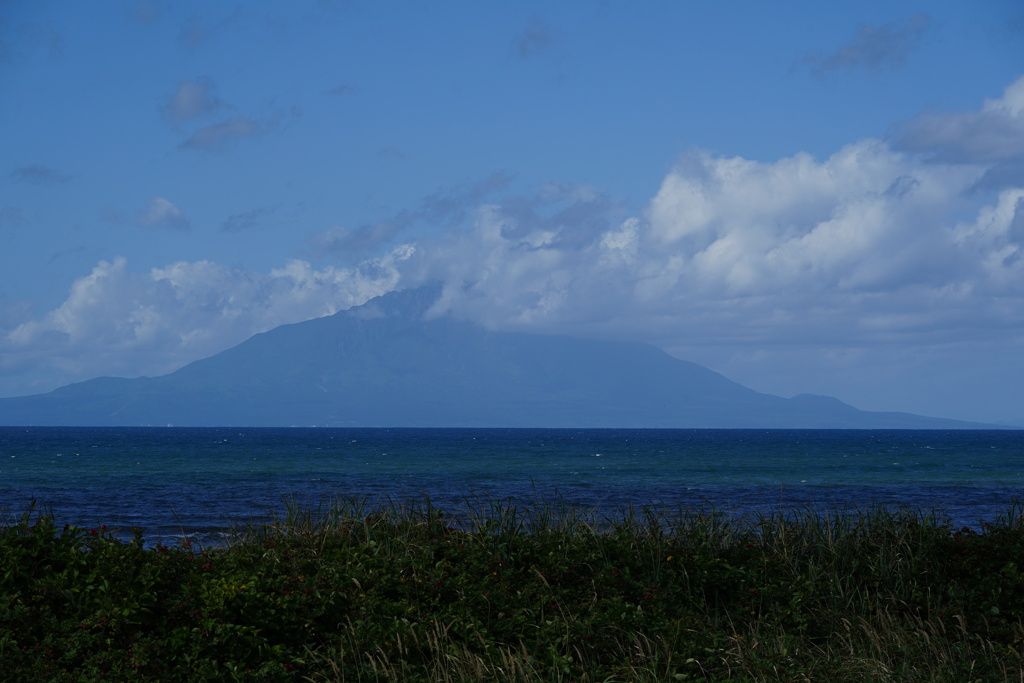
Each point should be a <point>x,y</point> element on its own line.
<point>499,592</point>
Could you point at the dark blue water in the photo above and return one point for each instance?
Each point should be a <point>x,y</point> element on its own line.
<point>174,480</point>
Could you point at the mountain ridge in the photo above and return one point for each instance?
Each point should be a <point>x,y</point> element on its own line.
<point>392,363</point>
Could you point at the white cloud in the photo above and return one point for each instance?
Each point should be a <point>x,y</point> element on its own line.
<point>993,134</point>
<point>119,322</point>
<point>847,223</point>
<point>872,248</point>
<point>860,248</point>
<point>160,213</point>
<point>867,248</point>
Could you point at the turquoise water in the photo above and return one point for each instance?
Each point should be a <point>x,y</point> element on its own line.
<point>175,480</point>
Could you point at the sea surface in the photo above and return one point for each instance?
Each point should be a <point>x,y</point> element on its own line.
<point>201,482</point>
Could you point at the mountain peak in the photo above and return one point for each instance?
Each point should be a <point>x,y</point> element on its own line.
<point>413,304</point>
<point>390,363</point>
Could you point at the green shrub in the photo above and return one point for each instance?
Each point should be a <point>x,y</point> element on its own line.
<point>349,593</point>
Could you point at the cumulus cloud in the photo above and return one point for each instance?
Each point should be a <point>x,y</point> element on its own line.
<point>859,248</point>
<point>119,322</point>
<point>160,213</point>
<point>875,48</point>
<point>993,134</point>
<point>867,248</point>
<point>37,174</point>
<point>875,246</point>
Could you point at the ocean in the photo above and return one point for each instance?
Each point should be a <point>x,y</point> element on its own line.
<point>201,482</point>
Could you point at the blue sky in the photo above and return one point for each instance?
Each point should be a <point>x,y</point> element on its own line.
<point>806,197</point>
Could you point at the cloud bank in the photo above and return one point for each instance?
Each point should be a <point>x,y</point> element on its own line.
<point>119,322</point>
<point>858,248</point>
<point>993,134</point>
<point>882,243</point>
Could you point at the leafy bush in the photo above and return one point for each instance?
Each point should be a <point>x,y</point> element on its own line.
<point>546,594</point>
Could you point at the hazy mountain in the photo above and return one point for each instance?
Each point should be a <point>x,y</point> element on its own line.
<point>386,364</point>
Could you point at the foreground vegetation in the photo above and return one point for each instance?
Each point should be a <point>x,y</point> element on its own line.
<point>352,594</point>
